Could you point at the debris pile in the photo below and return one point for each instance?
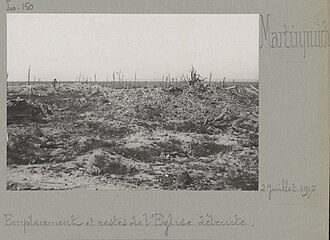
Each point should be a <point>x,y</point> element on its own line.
<point>197,137</point>
<point>35,89</point>
<point>21,110</point>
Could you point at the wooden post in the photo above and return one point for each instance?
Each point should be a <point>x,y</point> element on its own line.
<point>113,79</point>
<point>135,80</point>
<point>29,72</point>
<point>118,73</point>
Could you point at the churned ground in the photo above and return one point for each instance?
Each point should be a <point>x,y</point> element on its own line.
<point>81,136</point>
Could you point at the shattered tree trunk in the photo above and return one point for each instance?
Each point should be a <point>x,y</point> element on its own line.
<point>210,78</point>
<point>113,79</point>
<point>29,72</point>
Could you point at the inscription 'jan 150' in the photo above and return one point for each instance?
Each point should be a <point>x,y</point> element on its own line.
<point>13,7</point>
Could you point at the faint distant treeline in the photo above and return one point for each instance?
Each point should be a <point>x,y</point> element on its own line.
<point>141,83</point>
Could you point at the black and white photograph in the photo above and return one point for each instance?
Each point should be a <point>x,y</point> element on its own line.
<point>132,102</point>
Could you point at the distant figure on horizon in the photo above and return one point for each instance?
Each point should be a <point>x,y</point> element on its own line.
<point>54,83</point>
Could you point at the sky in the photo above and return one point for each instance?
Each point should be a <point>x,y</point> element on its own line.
<point>62,46</point>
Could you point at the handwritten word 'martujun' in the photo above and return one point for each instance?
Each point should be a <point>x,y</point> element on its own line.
<point>290,37</point>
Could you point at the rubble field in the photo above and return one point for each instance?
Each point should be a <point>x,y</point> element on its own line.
<point>82,136</point>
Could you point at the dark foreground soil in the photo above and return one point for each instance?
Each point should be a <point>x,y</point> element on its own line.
<point>92,137</point>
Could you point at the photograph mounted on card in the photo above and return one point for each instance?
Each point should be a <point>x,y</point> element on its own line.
<point>132,102</point>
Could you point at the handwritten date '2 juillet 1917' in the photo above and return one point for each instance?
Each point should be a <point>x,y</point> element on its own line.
<point>13,7</point>
<point>287,187</point>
